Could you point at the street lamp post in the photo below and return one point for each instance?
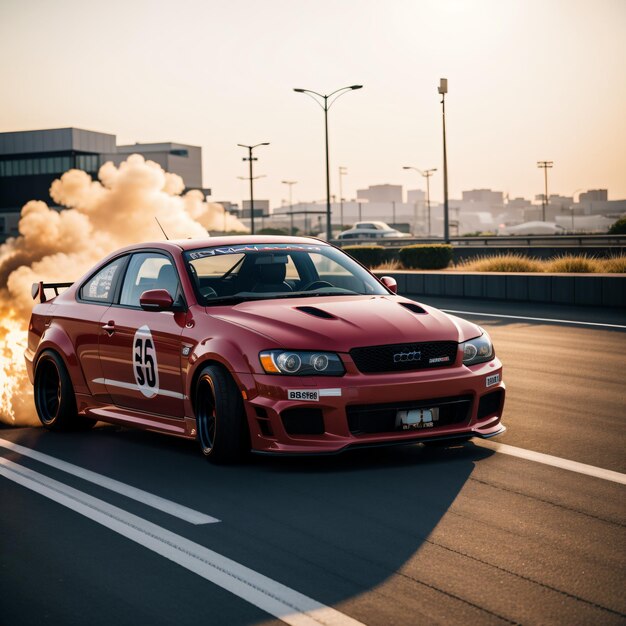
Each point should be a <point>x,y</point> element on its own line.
<point>426,174</point>
<point>545,165</point>
<point>325,106</point>
<point>250,158</point>
<point>291,183</point>
<point>342,172</point>
<point>443,90</point>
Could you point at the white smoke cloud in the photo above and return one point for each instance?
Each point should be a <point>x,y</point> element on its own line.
<point>59,246</point>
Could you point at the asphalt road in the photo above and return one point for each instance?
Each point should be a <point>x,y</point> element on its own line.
<point>388,536</point>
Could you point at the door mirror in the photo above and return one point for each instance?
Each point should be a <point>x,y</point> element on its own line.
<point>156,300</point>
<point>390,283</point>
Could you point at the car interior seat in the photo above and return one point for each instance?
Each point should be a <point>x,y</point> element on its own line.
<point>270,273</point>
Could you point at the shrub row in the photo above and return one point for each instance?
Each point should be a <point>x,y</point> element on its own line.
<point>419,256</point>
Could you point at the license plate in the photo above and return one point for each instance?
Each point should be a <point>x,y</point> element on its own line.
<point>492,380</point>
<point>310,395</point>
<point>417,419</point>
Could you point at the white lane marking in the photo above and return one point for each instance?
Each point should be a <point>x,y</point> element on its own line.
<point>135,387</point>
<point>534,319</point>
<point>269,595</point>
<point>554,461</point>
<point>145,497</point>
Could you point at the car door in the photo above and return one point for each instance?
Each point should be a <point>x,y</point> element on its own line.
<point>140,350</point>
<point>82,321</point>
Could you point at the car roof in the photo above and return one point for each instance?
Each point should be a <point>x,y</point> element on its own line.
<point>212,242</point>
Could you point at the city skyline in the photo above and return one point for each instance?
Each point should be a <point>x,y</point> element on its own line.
<point>199,73</point>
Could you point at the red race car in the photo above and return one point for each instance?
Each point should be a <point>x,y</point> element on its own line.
<point>275,344</point>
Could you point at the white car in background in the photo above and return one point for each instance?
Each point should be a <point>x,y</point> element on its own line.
<point>534,228</point>
<point>371,230</point>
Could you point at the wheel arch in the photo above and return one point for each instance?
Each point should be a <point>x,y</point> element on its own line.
<point>57,340</point>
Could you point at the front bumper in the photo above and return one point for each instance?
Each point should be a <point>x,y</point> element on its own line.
<point>273,417</point>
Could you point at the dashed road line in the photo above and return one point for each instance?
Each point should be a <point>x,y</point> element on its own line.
<point>269,595</point>
<point>145,497</point>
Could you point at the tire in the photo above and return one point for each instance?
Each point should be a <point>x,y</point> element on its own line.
<point>220,417</point>
<point>54,395</point>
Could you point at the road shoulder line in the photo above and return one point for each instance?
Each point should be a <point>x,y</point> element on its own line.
<point>145,497</point>
<point>534,319</point>
<point>554,461</point>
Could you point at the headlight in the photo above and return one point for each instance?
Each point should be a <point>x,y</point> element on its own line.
<point>296,363</point>
<point>477,350</point>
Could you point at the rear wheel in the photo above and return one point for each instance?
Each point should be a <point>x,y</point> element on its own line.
<point>220,417</point>
<point>54,395</point>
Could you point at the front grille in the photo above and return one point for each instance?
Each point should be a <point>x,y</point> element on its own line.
<point>300,421</point>
<point>489,404</point>
<point>404,356</point>
<point>381,418</point>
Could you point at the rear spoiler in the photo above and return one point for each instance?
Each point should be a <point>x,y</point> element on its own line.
<point>38,289</point>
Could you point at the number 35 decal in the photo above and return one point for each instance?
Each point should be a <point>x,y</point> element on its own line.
<point>145,366</point>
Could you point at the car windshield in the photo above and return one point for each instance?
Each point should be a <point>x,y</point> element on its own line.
<point>268,271</point>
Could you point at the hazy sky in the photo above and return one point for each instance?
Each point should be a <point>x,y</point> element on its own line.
<point>528,80</point>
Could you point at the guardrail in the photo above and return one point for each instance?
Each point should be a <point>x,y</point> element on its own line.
<point>498,241</point>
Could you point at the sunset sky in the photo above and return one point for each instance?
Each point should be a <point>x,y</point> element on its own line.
<point>528,80</point>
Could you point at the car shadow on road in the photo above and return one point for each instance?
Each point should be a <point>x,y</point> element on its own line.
<point>331,527</point>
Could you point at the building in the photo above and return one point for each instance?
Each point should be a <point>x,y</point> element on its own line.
<point>178,158</point>
<point>381,193</point>
<point>416,196</point>
<point>484,196</point>
<point>31,160</point>
<point>594,195</point>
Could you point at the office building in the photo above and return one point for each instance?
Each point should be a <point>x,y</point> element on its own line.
<point>31,160</point>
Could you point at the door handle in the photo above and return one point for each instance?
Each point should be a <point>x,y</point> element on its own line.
<point>109,327</point>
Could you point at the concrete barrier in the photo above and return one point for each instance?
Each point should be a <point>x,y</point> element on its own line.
<point>608,290</point>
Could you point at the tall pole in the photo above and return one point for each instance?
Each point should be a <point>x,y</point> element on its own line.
<point>291,183</point>
<point>329,231</point>
<point>250,159</point>
<point>251,192</point>
<point>443,89</point>
<point>342,172</point>
<point>426,174</point>
<point>325,106</point>
<point>545,165</point>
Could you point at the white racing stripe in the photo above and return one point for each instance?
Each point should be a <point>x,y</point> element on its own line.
<point>268,595</point>
<point>135,387</point>
<point>533,319</point>
<point>145,497</point>
<point>554,461</point>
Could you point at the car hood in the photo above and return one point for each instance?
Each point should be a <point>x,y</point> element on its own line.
<point>341,323</point>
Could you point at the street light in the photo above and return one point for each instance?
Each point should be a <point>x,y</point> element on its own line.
<point>324,98</point>
<point>342,172</point>
<point>291,183</point>
<point>443,90</point>
<point>545,165</point>
<point>426,174</point>
<point>250,158</point>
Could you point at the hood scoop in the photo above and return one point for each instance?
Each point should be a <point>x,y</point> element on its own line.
<point>315,312</point>
<point>414,308</point>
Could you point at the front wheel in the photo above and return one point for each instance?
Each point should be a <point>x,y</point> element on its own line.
<point>54,395</point>
<point>220,417</point>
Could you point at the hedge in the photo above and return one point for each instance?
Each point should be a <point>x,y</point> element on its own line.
<point>429,256</point>
<point>619,227</point>
<point>370,256</point>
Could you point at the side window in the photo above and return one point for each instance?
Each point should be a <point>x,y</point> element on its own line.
<point>99,288</point>
<point>148,270</point>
